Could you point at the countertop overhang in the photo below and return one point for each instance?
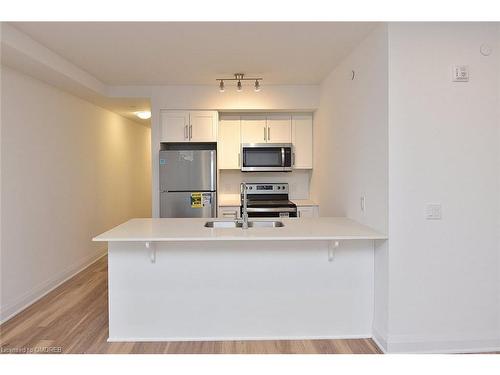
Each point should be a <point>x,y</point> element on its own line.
<point>192,229</point>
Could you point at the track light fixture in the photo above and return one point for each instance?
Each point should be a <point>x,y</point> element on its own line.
<point>238,77</point>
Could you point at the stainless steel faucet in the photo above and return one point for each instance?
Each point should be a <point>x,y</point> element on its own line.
<point>244,213</point>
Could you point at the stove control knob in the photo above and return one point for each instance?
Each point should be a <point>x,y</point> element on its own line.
<point>279,188</point>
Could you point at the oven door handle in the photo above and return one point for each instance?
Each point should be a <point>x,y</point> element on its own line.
<point>272,209</point>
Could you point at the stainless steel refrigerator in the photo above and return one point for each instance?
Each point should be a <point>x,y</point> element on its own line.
<point>188,183</point>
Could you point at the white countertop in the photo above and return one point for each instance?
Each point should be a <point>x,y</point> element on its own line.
<point>192,229</point>
<point>304,202</point>
<point>231,200</point>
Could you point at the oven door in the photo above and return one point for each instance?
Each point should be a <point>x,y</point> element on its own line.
<point>266,157</point>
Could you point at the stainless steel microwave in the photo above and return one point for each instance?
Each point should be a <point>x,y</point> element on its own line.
<point>266,157</point>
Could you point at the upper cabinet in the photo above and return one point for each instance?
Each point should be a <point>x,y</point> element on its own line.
<point>228,147</point>
<point>271,128</point>
<point>302,139</point>
<point>203,126</point>
<point>253,129</point>
<point>174,126</point>
<point>188,126</point>
<point>279,128</point>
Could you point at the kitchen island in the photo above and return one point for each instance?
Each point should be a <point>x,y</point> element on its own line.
<point>176,279</point>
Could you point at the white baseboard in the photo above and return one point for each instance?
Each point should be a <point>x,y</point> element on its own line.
<point>380,340</point>
<point>444,346</point>
<point>27,299</point>
<point>238,338</point>
<point>434,345</point>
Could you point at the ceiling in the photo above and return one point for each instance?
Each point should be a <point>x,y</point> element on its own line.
<point>160,53</point>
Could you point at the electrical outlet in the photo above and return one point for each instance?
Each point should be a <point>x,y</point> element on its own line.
<point>362,203</point>
<point>433,212</point>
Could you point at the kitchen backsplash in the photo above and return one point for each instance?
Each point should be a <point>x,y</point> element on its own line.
<point>298,181</point>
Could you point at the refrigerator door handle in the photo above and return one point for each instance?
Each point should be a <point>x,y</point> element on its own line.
<point>213,171</point>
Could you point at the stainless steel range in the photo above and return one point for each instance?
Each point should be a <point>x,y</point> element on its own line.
<point>268,200</point>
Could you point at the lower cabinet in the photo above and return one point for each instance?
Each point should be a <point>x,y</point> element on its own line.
<point>307,211</point>
<point>229,212</point>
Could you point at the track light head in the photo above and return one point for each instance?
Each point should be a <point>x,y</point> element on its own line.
<point>257,85</point>
<point>221,86</point>
<point>239,86</point>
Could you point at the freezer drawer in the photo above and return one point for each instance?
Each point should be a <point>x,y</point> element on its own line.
<point>188,170</point>
<point>188,204</point>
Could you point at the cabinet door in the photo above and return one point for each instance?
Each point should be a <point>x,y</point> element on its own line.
<point>174,126</point>
<point>229,212</point>
<point>306,211</point>
<point>302,139</point>
<point>203,126</point>
<point>228,146</point>
<point>253,129</point>
<point>279,128</point>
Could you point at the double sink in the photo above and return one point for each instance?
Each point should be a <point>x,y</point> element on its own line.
<point>239,224</point>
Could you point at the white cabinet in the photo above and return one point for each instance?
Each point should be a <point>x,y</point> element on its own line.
<point>228,147</point>
<point>307,211</point>
<point>279,128</point>
<point>188,126</point>
<point>302,139</point>
<point>229,212</point>
<point>203,126</point>
<point>174,126</point>
<point>253,129</point>
<point>271,128</point>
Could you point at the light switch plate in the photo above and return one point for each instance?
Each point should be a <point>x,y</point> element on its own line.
<point>460,73</point>
<point>433,211</point>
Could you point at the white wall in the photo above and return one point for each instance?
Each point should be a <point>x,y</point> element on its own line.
<point>70,170</point>
<point>350,139</point>
<point>351,151</point>
<point>283,98</point>
<point>444,148</point>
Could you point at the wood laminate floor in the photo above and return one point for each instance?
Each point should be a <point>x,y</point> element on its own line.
<point>74,319</point>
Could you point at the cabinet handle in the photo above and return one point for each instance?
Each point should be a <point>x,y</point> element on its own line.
<point>264,133</point>
<point>298,212</point>
<point>185,131</point>
<point>190,132</point>
<point>268,134</point>
<point>239,160</point>
<point>293,158</point>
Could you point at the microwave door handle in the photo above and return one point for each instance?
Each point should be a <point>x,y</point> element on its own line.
<point>283,157</point>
